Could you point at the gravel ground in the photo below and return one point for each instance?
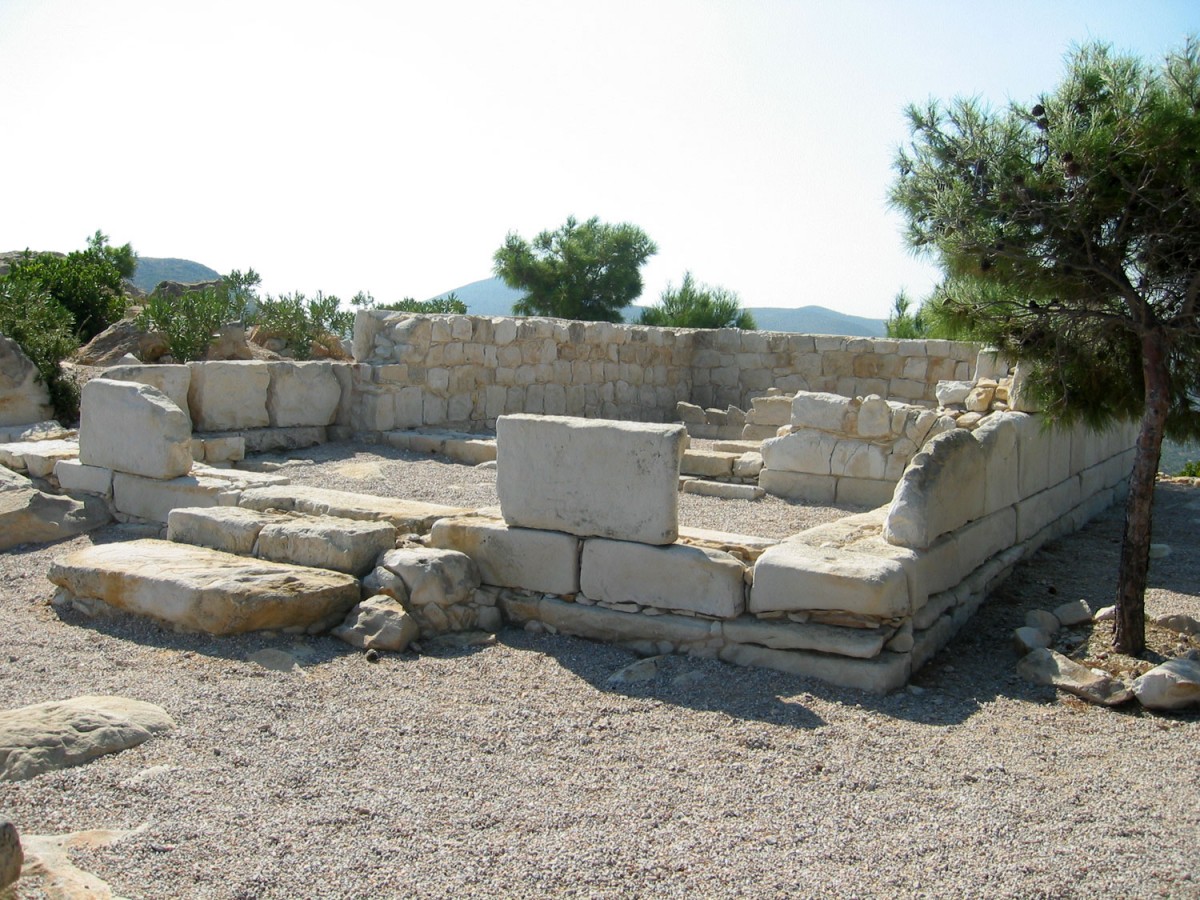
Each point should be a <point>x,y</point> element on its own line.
<point>513,769</point>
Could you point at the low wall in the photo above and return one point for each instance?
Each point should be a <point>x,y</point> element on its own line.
<point>465,371</point>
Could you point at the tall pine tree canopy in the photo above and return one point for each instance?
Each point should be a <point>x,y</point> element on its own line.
<point>1069,233</point>
<point>590,271</point>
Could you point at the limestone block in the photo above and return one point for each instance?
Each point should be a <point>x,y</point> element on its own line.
<point>874,417</point>
<point>302,393</point>
<point>949,393</point>
<point>997,435</point>
<point>860,643</point>
<point>206,590</point>
<point>153,498</point>
<point>326,542</point>
<point>980,398</point>
<point>135,428</point>
<point>805,451</point>
<point>884,673</point>
<point>46,737</point>
<point>224,449</point>
<point>1173,685</point>
<point>980,540</point>
<point>793,576</point>
<point>23,395</point>
<point>678,577</point>
<point>29,516</point>
<point>172,380</point>
<point>858,460</point>
<point>14,481</point>
<point>229,395</point>
<point>601,624</point>
<point>722,489</point>
<point>531,559</point>
<point>798,486</point>
<point>378,623</point>
<point>773,411</point>
<point>1036,512</point>
<point>41,457</point>
<point>748,464</point>
<point>227,528</point>
<point>470,451</point>
<point>823,411</point>
<point>12,455</point>
<point>707,463</point>
<point>942,489</point>
<point>590,477</point>
<point>864,491</point>
<point>408,516</point>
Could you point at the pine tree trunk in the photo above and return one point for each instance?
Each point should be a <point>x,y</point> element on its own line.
<point>1130,626</point>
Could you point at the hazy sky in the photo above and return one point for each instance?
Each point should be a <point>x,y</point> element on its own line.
<point>390,147</point>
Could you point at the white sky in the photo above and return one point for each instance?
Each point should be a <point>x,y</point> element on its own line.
<point>390,146</point>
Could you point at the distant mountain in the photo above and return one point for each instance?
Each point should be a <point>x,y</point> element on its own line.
<point>151,270</point>
<point>492,297</point>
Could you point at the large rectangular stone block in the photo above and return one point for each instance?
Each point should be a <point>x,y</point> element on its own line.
<point>793,576</point>
<point>151,498</point>
<point>590,477</point>
<point>229,395</point>
<point>678,577</point>
<point>302,393</point>
<point>172,380</point>
<point>132,427</point>
<point>527,558</point>
<point>73,475</point>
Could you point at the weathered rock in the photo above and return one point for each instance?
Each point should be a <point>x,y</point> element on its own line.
<point>678,577</point>
<point>642,670</point>
<point>707,463</point>
<point>1173,685</point>
<point>433,577</point>
<point>131,427</point>
<point>952,392</point>
<point>23,394</point>
<point>941,490</point>
<point>1179,622</point>
<point>590,477</point>
<point>378,623</point>
<point>381,581</point>
<point>229,343</point>
<point>29,516</point>
<point>13,481</point>
<point>11,855</point>
<point>532,559</point>
<point>860,643</point>
<point>326,542</point>
<point>1045,666</point>
<point>1073,612</point>
<point>1045,621</point>
<point>206,590</point>
<point>73,476</point>
<point>1029,638</point>
<point>302,393</point>
<point>55,735</point>
<point>808,452</point>
<point>823,411</point>
<point>119,339</point>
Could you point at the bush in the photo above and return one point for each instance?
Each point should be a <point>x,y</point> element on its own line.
<point>696,305</point>
<point>450,304</point>
<point>1191,469</point>
<point>44,329</point>
<point>87,283</point>
<point>189,321</point>
<point>301,322</point>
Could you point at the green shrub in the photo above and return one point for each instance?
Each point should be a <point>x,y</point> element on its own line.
<point>696,305</point>
<point>189,321</point>
<point>450,304</point>
<point>45,331</point>
<point>302,322</point>
<point>87,283</point>
<point>1191,469</point>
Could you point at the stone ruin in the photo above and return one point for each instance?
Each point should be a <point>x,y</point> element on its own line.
<point>587,539</point>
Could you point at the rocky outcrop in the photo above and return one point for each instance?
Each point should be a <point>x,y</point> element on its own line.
<point>55,735</point>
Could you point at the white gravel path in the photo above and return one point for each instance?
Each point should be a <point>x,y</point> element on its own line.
<point>515,770</point>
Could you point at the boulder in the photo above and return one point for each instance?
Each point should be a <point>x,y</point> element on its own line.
<point>55,735</point>
<point>1073,612</point>
<point>121,339</point>
<point>1179,622</point>
<point>433,577</point>
<point>1045,666</point>
<point>1173,685</point>
<point>1028,638</point>
<point>378,623</point>
<point>29,516</point>
<point>590,477</point>
<point>206,590</point>
<point>11,855</point>
<point>23,395</point>
<point>135,428</point>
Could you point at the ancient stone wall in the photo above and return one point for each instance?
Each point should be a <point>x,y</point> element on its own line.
<point>464,372</point>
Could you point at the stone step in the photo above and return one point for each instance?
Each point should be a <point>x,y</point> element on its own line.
<point>203,590</point>
<point>323,542</point>
<point>37,458</point>
<point>708,463</point>
<point>408,516</point>
<point>471,449</point>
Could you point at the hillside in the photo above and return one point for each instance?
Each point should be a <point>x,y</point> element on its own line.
<point>151,270</point>
<point>492,297</point>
